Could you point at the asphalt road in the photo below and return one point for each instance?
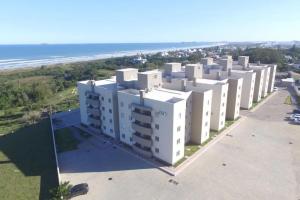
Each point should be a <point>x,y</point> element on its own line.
<point>259,159</point>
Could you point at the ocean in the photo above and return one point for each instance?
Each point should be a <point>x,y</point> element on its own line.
<point>19,56</point>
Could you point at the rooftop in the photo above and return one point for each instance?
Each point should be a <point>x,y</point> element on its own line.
<point>161,94</point>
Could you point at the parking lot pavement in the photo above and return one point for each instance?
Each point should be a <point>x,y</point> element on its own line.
<point>66,119</point>
<point>260,160</point>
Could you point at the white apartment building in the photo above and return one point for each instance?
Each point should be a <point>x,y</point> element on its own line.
<point>247,87</point>
<point>219,99</point>
<point>157,113</point>
<point>272,78</point>
<point>153,122</point>
<point>98,106</point>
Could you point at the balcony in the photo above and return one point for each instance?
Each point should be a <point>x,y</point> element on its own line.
<point>141,108</point>
<point>141,117</point>
<point>141,140</point>
<point>91,95</point>
<point>94,120</point>
<point>141,129</point>
<point>93,111</point>
<point>93,102</point>
<point>142,151</point>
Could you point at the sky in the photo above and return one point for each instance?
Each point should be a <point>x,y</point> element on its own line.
<point>114,21</point>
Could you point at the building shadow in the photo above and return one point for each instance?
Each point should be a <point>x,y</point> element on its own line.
<point>30,149</point>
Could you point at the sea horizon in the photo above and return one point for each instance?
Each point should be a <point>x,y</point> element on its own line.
<point>14,56</point>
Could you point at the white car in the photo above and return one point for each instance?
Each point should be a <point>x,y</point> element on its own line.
<point>295,116</point>
<point>297,120</point>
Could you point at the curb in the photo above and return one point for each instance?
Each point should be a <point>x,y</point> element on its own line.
<point>55,153</point>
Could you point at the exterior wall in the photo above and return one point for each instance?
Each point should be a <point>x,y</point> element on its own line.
<point>126,76</point>
<point>109,110</point>
<point>226,63</point>
<point>193,71</point>
<point>266,81</point>
<point>149,80</point>
<point>272,78</point>
<point>247,88</point>
<point>259,81</point>
<point>125,102</point>
<point>207,61</point>
<point>201,110</point>
<point>188,119</point>
<point>219,101</point>
<point>234,98</point>
<point>82,88</point>
<point>243,61</point>
<point>174,84</point>
<point>168,117</point>
<point>171,67</point>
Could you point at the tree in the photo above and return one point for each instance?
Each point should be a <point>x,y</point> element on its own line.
<point>31,117</point>
<point>62,191</point>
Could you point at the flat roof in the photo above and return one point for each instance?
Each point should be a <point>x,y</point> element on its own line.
<point>210,81</point>
<point>127,69</point>
<point>160,94</point>
<point>106,83</point>
<point>150,72</point>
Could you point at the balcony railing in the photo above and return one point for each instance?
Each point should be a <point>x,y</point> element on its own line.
<point>141,117</point>
<point>91,95</point>
<point>141,140</point>
<point>142,108</point>
<point>142,151</point>
<point>93,111</point>
<point>93,102</point>
<point>141,129</point>
<point>94,120</point>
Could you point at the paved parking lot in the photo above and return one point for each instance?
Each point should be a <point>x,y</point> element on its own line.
<point>259,159</point>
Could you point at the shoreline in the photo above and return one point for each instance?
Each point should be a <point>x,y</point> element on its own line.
<point>21,64</point>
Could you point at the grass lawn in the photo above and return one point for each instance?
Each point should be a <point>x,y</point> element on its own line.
<point>288,100</point>
<point>65,141</point>
<point>27,163</point>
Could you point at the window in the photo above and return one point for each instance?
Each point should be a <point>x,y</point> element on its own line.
<point>103,118</point>
<point>155,75</point>
<point>121,104</point>
<point>179,115</point>
<point>222,114</point>
<point>156,150</point>
<point>178,128</point>
<point>110,121</point>
<point>111,130</point>
<point>109,100</point>
<point>223,104</point>
<point>103,108</point>
<point>157,126</point>
<point>208,102</point>
<point>177,153</point>
<point>222,123</point>
<point>178,141</point>
<point>123,136</point>
<point>206,113</point>
<point>104,127</point>
<point>156,138</point>
<point>224,94</point>
<point>206,123</point>
<point>130,139</point>
<point>110,111</point>
<point>102,98</point>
